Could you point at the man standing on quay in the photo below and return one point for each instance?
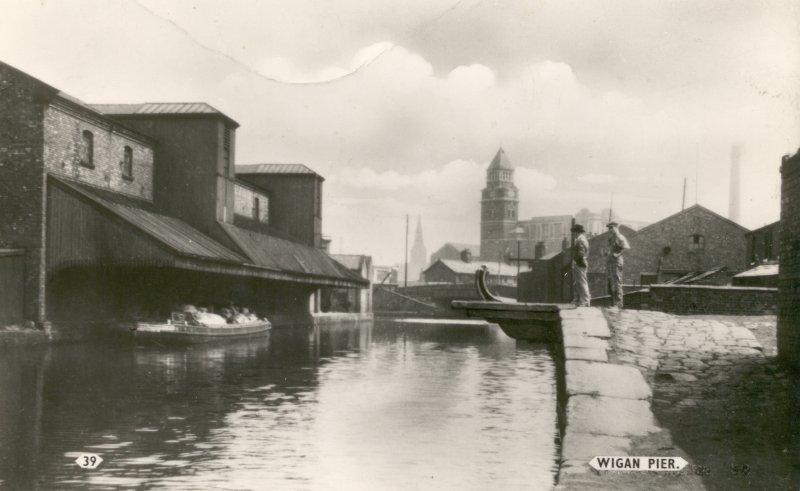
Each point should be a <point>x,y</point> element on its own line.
<point>580,267</point>
<point>617,244</point>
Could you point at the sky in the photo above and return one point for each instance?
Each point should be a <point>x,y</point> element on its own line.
<point>400,105</point>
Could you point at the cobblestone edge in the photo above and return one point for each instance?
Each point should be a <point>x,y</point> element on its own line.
<point>605,409</point>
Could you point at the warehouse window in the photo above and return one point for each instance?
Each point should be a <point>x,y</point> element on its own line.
<point>261,209</point>
<point>127,163</point>
<point>87,149</point>
<point>768,245</point>
<point>698,241</point>
<point>226,153</point>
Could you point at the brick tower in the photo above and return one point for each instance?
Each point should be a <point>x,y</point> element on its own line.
<point>499,203</point>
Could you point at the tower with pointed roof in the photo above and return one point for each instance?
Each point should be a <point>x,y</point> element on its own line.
<point>499,205</point>
<point>419,255</point>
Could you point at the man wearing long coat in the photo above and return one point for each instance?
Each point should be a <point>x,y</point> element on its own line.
<point>617,245</point>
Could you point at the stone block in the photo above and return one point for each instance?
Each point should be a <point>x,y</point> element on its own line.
<point>584,446</point>
<point>588,354</point>
<point>590,327</point>
<point>606,379</point>
<point>609,416</point>
<point>580,341</point>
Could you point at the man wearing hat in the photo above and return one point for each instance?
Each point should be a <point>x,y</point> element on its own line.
<point>617,244</point>
<point>580,267</point>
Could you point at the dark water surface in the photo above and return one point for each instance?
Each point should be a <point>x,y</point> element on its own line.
<point>387,407</point>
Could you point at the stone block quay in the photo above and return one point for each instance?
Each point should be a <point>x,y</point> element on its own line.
<point>608,411</point>
<point>704,388</point>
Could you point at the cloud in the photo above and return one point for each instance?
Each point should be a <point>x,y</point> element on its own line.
<point>471,79</point>
<point>412,124</point>
<point>598,178</point>
<point>284,70</point>
<point>533,180</point>
<point>447,197</point>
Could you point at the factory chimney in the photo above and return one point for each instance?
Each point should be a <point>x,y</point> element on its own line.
<point>734,213</point>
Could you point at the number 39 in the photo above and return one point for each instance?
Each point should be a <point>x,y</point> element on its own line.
<point>88,460</point>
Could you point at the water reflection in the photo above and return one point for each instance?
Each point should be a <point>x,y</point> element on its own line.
<point>388,407</point>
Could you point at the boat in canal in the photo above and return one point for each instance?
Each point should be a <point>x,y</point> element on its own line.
<point>183,329</point>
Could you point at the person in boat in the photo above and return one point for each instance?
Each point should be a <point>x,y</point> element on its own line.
<point>617,245</point>
<point>580,267</point>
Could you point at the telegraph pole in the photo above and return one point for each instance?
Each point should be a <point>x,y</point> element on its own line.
<point>405,274</point>
<point>683,201</point>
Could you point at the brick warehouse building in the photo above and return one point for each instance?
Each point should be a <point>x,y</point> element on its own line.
<point>110,211</point>
<point>694,240</point>
<point>789,275</point>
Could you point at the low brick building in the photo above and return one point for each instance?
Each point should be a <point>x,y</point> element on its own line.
<point>789,275</point>
<point>764,244</point>
<point>349,299</point>
<point>463,272</point>
<point>692,241</point>
<point>116,210</point>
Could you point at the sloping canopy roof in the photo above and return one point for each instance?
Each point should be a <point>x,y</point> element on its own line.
<point>264,254</point>
<point>276,168</point>
<point>162,108</point>
<point>500,161</point>
<point>352,262</point>
<point>176,234</point>
<point>284,255</point>
<point>495,268</point>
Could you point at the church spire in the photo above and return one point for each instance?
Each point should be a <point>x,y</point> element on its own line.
<point>419,255</point>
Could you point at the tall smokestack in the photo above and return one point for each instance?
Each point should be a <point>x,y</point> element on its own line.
<point>735,191</point>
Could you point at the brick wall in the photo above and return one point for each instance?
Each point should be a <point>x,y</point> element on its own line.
<point>293,212</point>
<point>243,205</point>
<point>724,244</point>
<point>789,275</point>
<point>22,182</point>
<point>764,243</point>
<point>63,134</point>
<point>720,300</point>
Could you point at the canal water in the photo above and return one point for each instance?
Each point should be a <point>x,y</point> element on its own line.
<point>392,406</point>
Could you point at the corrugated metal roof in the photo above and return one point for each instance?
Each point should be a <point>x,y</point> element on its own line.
<point>262,250</point>
<point>495,268</point>
<point>279,168</point>
<point>350,261</point>
<point>284,255</point>
<point>173,232</point>
<point>165,108</point>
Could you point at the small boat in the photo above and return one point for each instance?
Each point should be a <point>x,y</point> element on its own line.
<point>535,322</point>
<point>180,330</point>
<point>482,284</point>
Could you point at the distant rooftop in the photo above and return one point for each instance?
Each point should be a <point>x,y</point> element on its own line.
<point>495,268</point>
<point>278,168</point>
<point>161,108</point>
